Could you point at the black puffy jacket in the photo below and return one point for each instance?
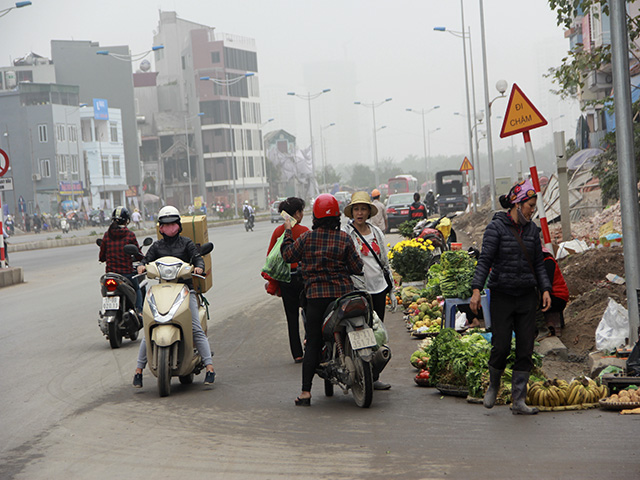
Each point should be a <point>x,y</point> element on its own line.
<point>178,246</point>
<point>503,260</point>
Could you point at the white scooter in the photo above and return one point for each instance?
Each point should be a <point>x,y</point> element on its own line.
<point>167,321</point>
<point>64,225</point>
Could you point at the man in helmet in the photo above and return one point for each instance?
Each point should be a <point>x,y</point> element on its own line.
<point>430,202</point>
<point>248,213</point>
<point>380,218</point>
<point>174,245</point>
<point>111,250</point>
<point>326,258</point>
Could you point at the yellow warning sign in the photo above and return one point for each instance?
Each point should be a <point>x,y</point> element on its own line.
<point>521,114</point>
<point>466,165</point>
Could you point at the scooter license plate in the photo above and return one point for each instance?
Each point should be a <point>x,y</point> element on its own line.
<point>362,339</point>
<point>110,303</point>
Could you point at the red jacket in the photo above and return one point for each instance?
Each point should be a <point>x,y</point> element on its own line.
<point>559,287</point>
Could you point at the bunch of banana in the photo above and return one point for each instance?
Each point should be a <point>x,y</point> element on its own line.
<point>585,390</point>
<point>546,394</point>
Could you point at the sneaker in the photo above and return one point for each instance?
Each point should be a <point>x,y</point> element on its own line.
<point>209,378</point>
<point>137,380</point>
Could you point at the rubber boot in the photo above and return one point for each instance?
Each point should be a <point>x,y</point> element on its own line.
<point>494,385</point>
<point>519,394</point>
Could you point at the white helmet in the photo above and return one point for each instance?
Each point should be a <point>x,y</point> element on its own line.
<point>168,214</point>
<point>246,202</point>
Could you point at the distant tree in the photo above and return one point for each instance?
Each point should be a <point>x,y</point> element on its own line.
<point>329,175</point>
<point>362,177</point>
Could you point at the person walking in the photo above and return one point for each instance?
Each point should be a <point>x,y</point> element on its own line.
<point>370,245</point>
<point>291,291</point>
<point>380,219</point>
<point>417,210</point>
<point>327,258</point>
<point>511,258</point>
<point>136,218</point>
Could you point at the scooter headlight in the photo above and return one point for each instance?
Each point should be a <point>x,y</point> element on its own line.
<point>168,271</point>
<point>166,317</point>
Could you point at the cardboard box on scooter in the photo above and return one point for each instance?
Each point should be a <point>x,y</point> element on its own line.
<point>195,227</point>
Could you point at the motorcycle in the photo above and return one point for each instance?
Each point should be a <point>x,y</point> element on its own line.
<point>64,225</point>
<point>249,222</point>
<point>439,231</point>
<point>349,357</point>
<point>118,317</point>
<point>167,321</point>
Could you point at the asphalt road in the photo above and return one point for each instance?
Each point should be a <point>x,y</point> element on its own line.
<point>67,409</point>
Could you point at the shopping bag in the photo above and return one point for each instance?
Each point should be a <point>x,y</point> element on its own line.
<point>275,266</point>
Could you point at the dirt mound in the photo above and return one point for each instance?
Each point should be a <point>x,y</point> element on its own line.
<point>583,271</point>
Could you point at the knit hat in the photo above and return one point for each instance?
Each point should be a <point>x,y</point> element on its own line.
<point>521,192</point>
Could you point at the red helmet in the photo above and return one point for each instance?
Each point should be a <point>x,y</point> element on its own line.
<point>326,205</point>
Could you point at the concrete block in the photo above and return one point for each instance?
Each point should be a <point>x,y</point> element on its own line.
<point>552,346</point>
<point>11,276</point>
<point>597,362</point>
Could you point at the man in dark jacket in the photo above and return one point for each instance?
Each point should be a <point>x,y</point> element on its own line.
<point>512,259</point>
<point>173,245</point>
<point>417,210</point>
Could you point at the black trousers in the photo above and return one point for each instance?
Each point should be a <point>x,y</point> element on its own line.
<point>509,314</point>
<point>379,303</point>
<point>315,312</point>
<point>291,300</point>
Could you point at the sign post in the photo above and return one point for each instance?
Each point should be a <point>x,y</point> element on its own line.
<point>521,117</point>
<point>465,167</point>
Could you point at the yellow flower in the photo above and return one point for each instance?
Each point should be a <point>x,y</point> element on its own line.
<point>431,247</point>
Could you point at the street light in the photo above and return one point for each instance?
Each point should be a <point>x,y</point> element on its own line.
<point>372,105</point>
<point>227,83</point>
<point>423,112</point>
<point>17,5</point>
<point>186,135</point>
<point>324,154</point>
<point>308,97</point>
<point>268,121</point>
<point>429,132</point>
<point>133,57</point>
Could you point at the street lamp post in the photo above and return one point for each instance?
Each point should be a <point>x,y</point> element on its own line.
<point>227,83</point>
<point>373,105</point>
<point>308,97</point>
<point>16,5</point>
<point>132,57</point>
<point>423,112</point>
<point>324,154</point>
<point>429,132</point>
<point>186,135</point>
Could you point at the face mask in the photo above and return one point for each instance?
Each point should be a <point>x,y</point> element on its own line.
<point>522,220</point>
<point>170,229</point>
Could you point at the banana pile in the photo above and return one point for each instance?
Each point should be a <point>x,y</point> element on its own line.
<point>559,393</point>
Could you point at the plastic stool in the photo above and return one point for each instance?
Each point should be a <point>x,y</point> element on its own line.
<point>450,307</point>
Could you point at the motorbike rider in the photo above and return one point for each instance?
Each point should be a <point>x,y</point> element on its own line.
<point>111,250</point>
<point>417,210</point>
<point>174,245</point>
<point>326,257</point>
<point>430,202</point>
<point>248,212</point>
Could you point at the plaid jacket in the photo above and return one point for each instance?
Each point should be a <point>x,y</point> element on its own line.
<point>327,259</point>
<point>114,240</point>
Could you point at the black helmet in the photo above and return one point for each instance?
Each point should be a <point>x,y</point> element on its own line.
<point>120,216</point>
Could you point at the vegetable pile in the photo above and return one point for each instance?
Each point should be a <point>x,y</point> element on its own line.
<point>453,275</point>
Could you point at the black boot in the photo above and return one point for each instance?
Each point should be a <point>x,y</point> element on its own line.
<point>519,394</point>
<point>494,385</point>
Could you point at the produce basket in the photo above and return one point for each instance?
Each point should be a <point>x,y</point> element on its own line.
<point>453,390</point>
<point>567,408</point>
<point>422,382</point>
<point>618,405</point>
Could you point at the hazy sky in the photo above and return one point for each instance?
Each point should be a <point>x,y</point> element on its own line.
<point>388,49</point>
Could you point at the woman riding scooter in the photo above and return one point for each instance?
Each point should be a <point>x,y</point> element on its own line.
<point>173,245</point>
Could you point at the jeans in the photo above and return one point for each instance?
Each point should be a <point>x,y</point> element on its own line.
<point>135,283</point>
<point>199,337</point>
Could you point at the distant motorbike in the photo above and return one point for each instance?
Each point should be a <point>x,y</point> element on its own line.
<point>349,358</point>
<point>249,222</point>
<point>118,317</point>
<point>64,225</point>
<point>439,231</point>
<point>167,321</point>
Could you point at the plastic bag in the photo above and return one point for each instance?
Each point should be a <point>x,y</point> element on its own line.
<point>613,329</point>
<point>275,266</point>
<point>380,330</point>
<point>461,321</point>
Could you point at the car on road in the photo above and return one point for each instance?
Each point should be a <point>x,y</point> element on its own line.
<point>398,208</point>
<point>343,199</point>
<point>274,213</point>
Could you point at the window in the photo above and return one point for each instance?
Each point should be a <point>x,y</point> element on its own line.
<point>184,62</point>
<point>215,57</point>
<point>116,165</point>
<point>105,165</point>
<point>42,134</point>
<point>60,132</point>
<point>240,59</point>
<point>24,76</point>
<point>74,163</point>
<point>113,126</point>
<point>45,168</point>
<point>73,133</point>
<point>60,164</point>
<point>251,167</point>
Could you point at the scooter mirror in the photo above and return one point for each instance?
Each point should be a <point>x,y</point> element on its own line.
<point>147,241</point>
<point>98,241</point>
<point>206,248</point>
<point>130,249</point>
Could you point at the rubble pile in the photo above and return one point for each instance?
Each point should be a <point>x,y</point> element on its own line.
<point>588,229</point>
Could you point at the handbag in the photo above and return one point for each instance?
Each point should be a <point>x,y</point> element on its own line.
<point>385,272</point>
<point>275,266</point>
